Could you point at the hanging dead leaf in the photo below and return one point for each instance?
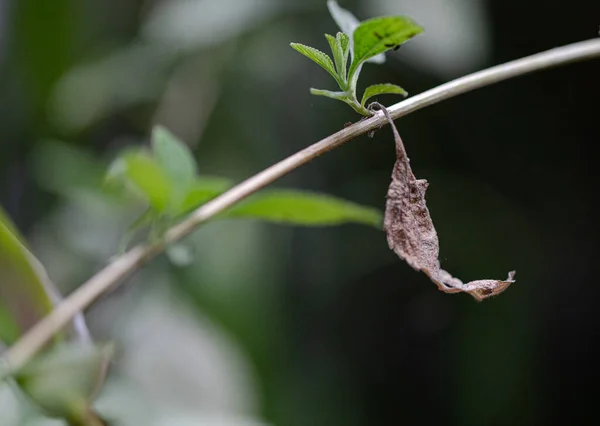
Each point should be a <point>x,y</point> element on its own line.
<point>410,231</point>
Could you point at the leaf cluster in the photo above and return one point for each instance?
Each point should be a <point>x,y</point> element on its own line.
<point>362,42</point>
<point>167,179</point>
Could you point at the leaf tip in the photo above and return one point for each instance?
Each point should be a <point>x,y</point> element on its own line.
<point>159,130</point>
<point>159,134</point>
<point>297,46</point>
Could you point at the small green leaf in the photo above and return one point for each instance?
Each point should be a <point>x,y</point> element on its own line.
<point>305,208</point>
<point>382,89</point>
<point>176,161</point>
<point>338,56</point>
<point>378,35</point>
<point>173,156</point>
<point>317,56</point>
<point>344,42</point>
<point>139,172</point>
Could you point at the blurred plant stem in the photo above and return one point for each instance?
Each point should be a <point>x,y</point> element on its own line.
<point>120,268</point>
<point>90,419</point>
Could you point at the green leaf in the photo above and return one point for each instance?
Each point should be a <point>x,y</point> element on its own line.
<point>378,35</point>
<point>317,56</point>
<point>173,156</point>
<point>338,56</point>
<point>340,96</point>
<point>139,172</point>
<point>382,89</point>
<point>25,289</point>
<point>305,208</point>
<point>344,42</point>
<point>176,161</point>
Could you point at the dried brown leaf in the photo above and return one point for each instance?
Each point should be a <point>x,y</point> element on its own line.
<point>410,231</point>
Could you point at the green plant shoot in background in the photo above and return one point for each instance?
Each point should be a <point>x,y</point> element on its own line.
<point>166,178</point>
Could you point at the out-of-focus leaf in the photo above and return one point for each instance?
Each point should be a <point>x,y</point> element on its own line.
<point>64,381</point>
<point>305,208</point>
<point>208,371</point>
<point>10,226</point>
<point>25,289</point>
<point>166,177</point>
<point>378,35</point>
<point>176,161</point>
<point>317,56</point>
<point>139,171</point>
<point>382,89</point>
<point>9,406</point>
<point>173,156</point>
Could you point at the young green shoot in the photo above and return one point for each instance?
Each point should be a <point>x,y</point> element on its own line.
<point>362,42</point>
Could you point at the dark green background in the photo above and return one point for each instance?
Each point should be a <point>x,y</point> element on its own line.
<point>338,329</point>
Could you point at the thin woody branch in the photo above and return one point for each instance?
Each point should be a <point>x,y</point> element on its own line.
<point>119,269</point>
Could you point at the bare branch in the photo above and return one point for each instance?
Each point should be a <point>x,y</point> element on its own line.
<point>124,266</point>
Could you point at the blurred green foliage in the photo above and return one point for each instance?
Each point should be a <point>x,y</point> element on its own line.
<point>24,293</point>
<point>166,178</point>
